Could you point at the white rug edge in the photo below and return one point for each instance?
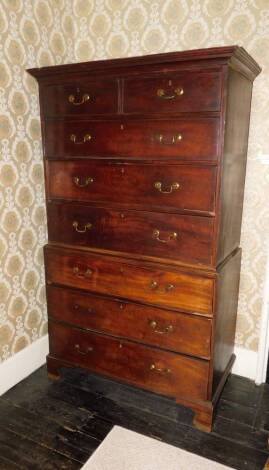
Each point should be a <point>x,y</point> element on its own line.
<point>93,460</point>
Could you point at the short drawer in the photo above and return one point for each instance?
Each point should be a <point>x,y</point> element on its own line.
<point>193,139</point>
<point>182,238</point>
<point>161,186</point>
<point>175,289</point>
<point>150,368</point>
<point>188,91</point>
<point>84,97</point>
<point>189,334</point>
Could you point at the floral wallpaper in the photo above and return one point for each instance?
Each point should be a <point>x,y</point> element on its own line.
<point>37,33</point>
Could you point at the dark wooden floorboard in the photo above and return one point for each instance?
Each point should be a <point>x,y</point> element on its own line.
<point>45,424</point>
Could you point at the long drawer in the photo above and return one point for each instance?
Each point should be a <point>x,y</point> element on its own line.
<point>189,334</point>
<point>84,97</point>
<point>188,91</point>
<point>174,289</point>
<point>192,139</point>
<point>161,186</point>
<point>156,370</point>
<point>183,238</point>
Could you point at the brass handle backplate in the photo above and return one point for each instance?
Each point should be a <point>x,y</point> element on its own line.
<point>86,138</point>
<point>178,91</point>
<point>80,273</point>
<point>86,227</point>
<point>156,236</point>
<point>84,353</point>
<point>173,187</point>
<point>173,140</point>
<point>154,325</point>
<point>84,99</point>
<point>82,182</point>
<point>164,370</point>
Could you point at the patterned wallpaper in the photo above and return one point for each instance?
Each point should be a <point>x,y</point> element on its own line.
<point>38,32</point>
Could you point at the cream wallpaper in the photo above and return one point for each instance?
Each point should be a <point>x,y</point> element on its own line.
<point>38,32</point>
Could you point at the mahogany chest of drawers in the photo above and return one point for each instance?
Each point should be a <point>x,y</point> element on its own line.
<point>145,166</point>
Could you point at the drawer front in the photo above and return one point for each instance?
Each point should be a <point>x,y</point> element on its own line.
<point>183,238</point>
<point>107,275</point>
<point>179,332</point>
<point>173,93</point>
<point>85,98</point>
<point>161,186</point>
<point>182,139</point>
<point>160,371</point>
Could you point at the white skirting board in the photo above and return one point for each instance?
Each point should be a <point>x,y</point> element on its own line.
<point>245,363</point>
<point>22,364</point>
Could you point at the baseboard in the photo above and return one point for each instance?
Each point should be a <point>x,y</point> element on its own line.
<point>22,364</point>
<point>245,363</point>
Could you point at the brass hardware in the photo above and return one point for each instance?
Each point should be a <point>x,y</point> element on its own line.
<point>76,307</point>
<point>86,138</point>
<point>173,141</point>
<point>156,236</point>
<point>79,273</point>
<point>161,371</point>
<point>87,226</point>
<point>78,180</point>
<point>72,98</point>
<point>173,187</point>
<point>169,287</point>
<point>121,306</point>
<point>161,93</point>
<point>153,324</point>
<point>154,284</point>
<point>84,353</point>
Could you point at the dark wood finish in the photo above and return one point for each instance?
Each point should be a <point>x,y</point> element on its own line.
<point>153,369</point>
<point>234,160</point>
<point>190,140</point>
<point>187,91</point>
<point>162,146</point>
<point>189,334</point>
<point>133,184</point>
<point>187,238</point>
<point>158,286</point>
<point>225,317</point>
<point>83,97</point>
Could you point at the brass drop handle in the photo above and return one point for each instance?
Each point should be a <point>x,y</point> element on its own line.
<point>175,139</point>
<point>154,284</point>
<point>86,138</point>
<point>165,370</point>
<point>178,91</point>
<point>84,99</point>
<point>86,227</point>
<point>169,287</point>
<point>173,187</point>
<point>84,353</point>
<point>153,324</point>
<point>80,307</point>
<point>156,236</point>
<point>82,182</point>
<point>80,273</point>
